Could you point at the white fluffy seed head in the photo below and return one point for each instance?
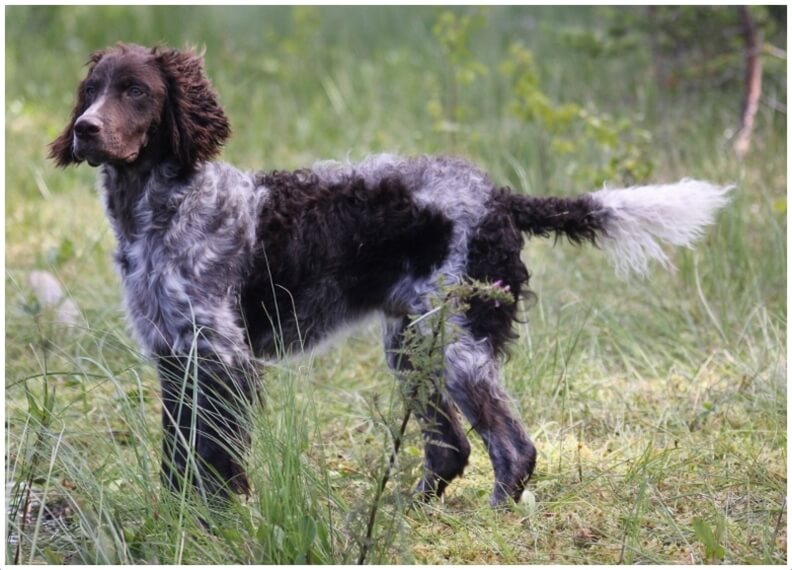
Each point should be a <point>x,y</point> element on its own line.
<point>641,218</point>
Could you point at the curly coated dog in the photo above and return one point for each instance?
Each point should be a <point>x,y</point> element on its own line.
<point>222,268</point>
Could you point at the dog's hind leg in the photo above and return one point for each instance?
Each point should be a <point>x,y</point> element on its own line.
<point>472,372</point>
<point>446,448</point>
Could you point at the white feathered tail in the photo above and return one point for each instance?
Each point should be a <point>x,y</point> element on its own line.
<point>630,224</point>
<point>640,219</point>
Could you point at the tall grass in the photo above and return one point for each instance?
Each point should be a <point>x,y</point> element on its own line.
<point>658,406</point>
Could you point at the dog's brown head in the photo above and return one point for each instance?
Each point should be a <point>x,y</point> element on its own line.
<point>138,103</point>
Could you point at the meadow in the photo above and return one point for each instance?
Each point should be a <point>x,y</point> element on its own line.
<point>658,405</point>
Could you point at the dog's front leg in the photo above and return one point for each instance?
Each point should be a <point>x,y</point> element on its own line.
<point>205,422</point>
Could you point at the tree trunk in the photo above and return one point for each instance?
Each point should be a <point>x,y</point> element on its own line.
<point>753,81</point>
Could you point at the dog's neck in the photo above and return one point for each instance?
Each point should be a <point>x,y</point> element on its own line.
<point>125,186</point>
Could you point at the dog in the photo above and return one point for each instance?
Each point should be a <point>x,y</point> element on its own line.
<point>223,268</point>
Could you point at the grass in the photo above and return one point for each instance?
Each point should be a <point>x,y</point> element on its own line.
<point>658,406</point>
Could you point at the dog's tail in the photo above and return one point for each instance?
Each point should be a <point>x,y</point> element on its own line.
<point>629,224</point>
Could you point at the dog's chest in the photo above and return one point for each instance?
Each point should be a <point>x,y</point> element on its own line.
<point>157,293</point>
<point>181,274</point>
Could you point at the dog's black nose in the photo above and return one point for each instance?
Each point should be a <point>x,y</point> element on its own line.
<point>87,127</point>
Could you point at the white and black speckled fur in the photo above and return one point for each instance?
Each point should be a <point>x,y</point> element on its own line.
<point>180,238</point>
<point>222,268</point>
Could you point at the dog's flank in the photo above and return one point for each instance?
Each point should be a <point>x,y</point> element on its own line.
<point>334,248</point>
<point>222,267</point>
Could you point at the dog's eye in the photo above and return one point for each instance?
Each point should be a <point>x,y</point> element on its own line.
<point>135,91</point>
<point>90,90</point>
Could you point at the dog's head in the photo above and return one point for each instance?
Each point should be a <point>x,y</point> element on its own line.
<point>137,103</point>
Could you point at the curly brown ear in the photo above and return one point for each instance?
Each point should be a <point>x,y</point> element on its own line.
<point>61,150</point>
<point>197,124</point>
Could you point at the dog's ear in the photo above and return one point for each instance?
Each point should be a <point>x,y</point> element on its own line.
<point>61,149</point>
<point>194,118</point>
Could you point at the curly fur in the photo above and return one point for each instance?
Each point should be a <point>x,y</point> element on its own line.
<point>331,251</point>
<point>193,117</point>
<point>222,268</point>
